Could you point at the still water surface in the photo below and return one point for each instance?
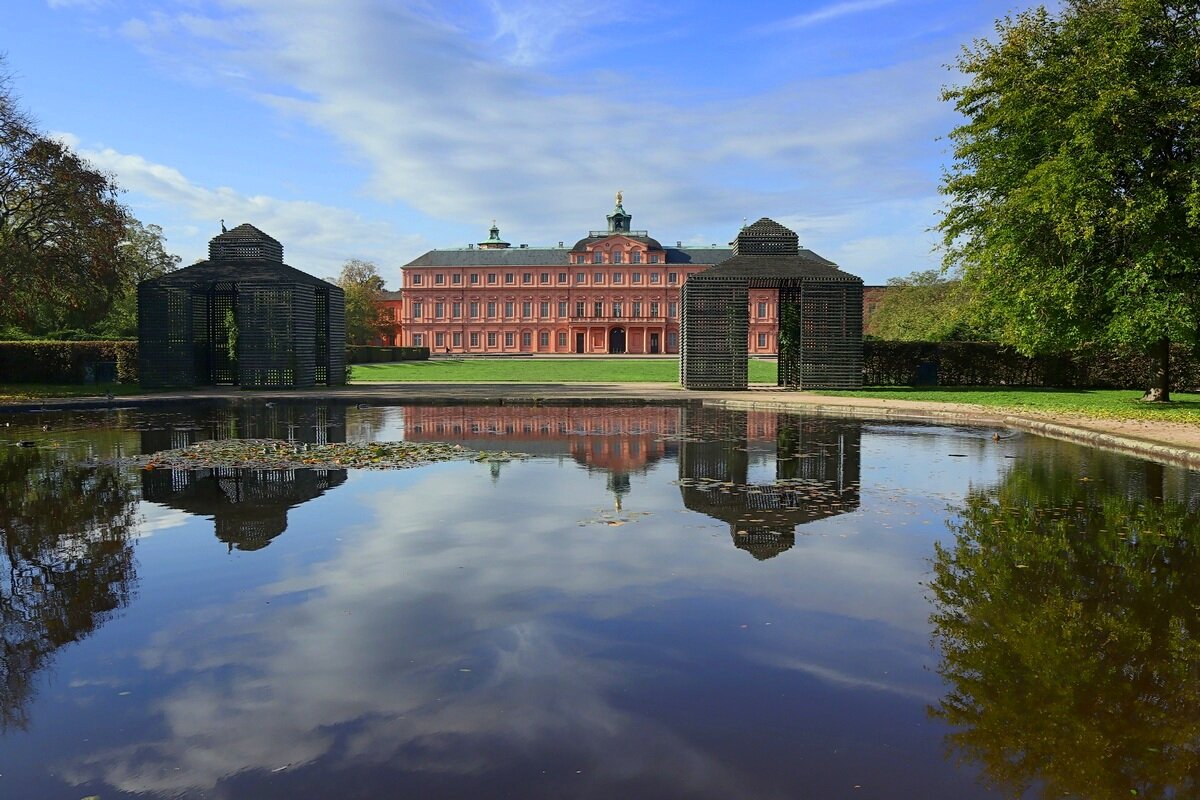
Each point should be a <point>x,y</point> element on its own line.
<point>662,602</point>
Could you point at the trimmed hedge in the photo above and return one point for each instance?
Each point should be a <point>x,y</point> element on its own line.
<point>66,362</point>
<point>989,364</point>
<point>884,364</point>
<point>369,354</point>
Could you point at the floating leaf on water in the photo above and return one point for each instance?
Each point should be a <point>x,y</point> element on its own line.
<point>274,454</point>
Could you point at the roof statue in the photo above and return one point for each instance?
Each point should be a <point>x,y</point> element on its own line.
<point>618,220</point>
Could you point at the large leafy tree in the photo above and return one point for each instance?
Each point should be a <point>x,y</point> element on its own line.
<point>61,228</point>
<point>143,255</point>
<point>1074,192</point>
<point>361,282</point>
<point>923,307</point>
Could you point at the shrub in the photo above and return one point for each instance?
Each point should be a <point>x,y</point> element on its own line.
<point>988,364</point>
<point>65,361</point>
<point>366,354</point>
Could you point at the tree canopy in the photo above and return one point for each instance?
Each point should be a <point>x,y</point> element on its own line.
<point>923,307</point>
<point>61,227</point>
<point>361,282</point>
<point>143,255</point>
<point>1074,193</point>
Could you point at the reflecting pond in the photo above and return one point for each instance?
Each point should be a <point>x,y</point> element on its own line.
<point>658,602</point>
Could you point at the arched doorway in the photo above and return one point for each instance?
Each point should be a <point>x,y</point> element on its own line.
<point>616,340</point>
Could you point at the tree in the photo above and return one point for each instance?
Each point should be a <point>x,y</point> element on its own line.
<point>60,228</point>
<point>363,286</point>
<point>1075,188</point>
<point>1066,618</point>
<point>142,256</point>
<point>66,562</point>
<point>923,307</point>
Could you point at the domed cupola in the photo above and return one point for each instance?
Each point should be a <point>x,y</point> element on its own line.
<point>618,220</point>
<point>494,242</point>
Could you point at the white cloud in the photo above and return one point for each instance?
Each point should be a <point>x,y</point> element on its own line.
<point>316,238</point>
<point>876,241</point>
<point>537,29</point>
<point>458,133</point>
<point>833,11</point>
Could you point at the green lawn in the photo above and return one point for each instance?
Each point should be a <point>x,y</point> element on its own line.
<point>1101,403</point>
<point>23,392</point>
<point>1113,404</point>
<point>539,370</point>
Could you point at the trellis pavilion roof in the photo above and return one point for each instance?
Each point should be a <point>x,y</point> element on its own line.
<point>820,313</point>
<point>243,317</point>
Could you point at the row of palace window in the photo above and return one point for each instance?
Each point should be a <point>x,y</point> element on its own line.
<point>631,445</point>
<point>582,309</point>
<point>455,339</point>
<point>615,258</point>
<point>510,278</point>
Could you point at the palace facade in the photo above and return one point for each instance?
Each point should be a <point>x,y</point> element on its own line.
<point>614,291</point>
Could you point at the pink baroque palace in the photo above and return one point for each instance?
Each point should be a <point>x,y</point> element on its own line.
<point>616,291</point>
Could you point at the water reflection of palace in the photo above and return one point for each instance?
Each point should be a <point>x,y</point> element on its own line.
<point>616,440</point>
<point>766,473</point>
<point>249,507</point>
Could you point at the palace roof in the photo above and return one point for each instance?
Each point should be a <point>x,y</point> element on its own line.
<point>553,256</point>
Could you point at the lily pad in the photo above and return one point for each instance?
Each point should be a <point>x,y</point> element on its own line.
<point>264,454</point>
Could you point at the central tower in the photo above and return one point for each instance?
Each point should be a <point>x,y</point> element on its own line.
<point>618,220</point>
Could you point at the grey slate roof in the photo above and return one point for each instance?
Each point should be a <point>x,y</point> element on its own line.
<point>551,256</point>
<point>697,255</point>
<point>242,271</point>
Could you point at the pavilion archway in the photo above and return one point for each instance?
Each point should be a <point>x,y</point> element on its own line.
<point>820,315</point>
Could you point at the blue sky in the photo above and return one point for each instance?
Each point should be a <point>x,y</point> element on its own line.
<point>380,129</point>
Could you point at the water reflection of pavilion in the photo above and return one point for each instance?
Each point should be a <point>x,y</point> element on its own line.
<point>765,473</point>
<point>310,423</point>
<point>249,507</point>
<point>618,441</point>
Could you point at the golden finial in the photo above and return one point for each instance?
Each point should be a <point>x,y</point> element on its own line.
<point>618,197</point>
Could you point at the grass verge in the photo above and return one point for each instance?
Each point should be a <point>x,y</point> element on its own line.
<point>22,392</point>
<point>1095,403</point>
<point>535,370</point>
